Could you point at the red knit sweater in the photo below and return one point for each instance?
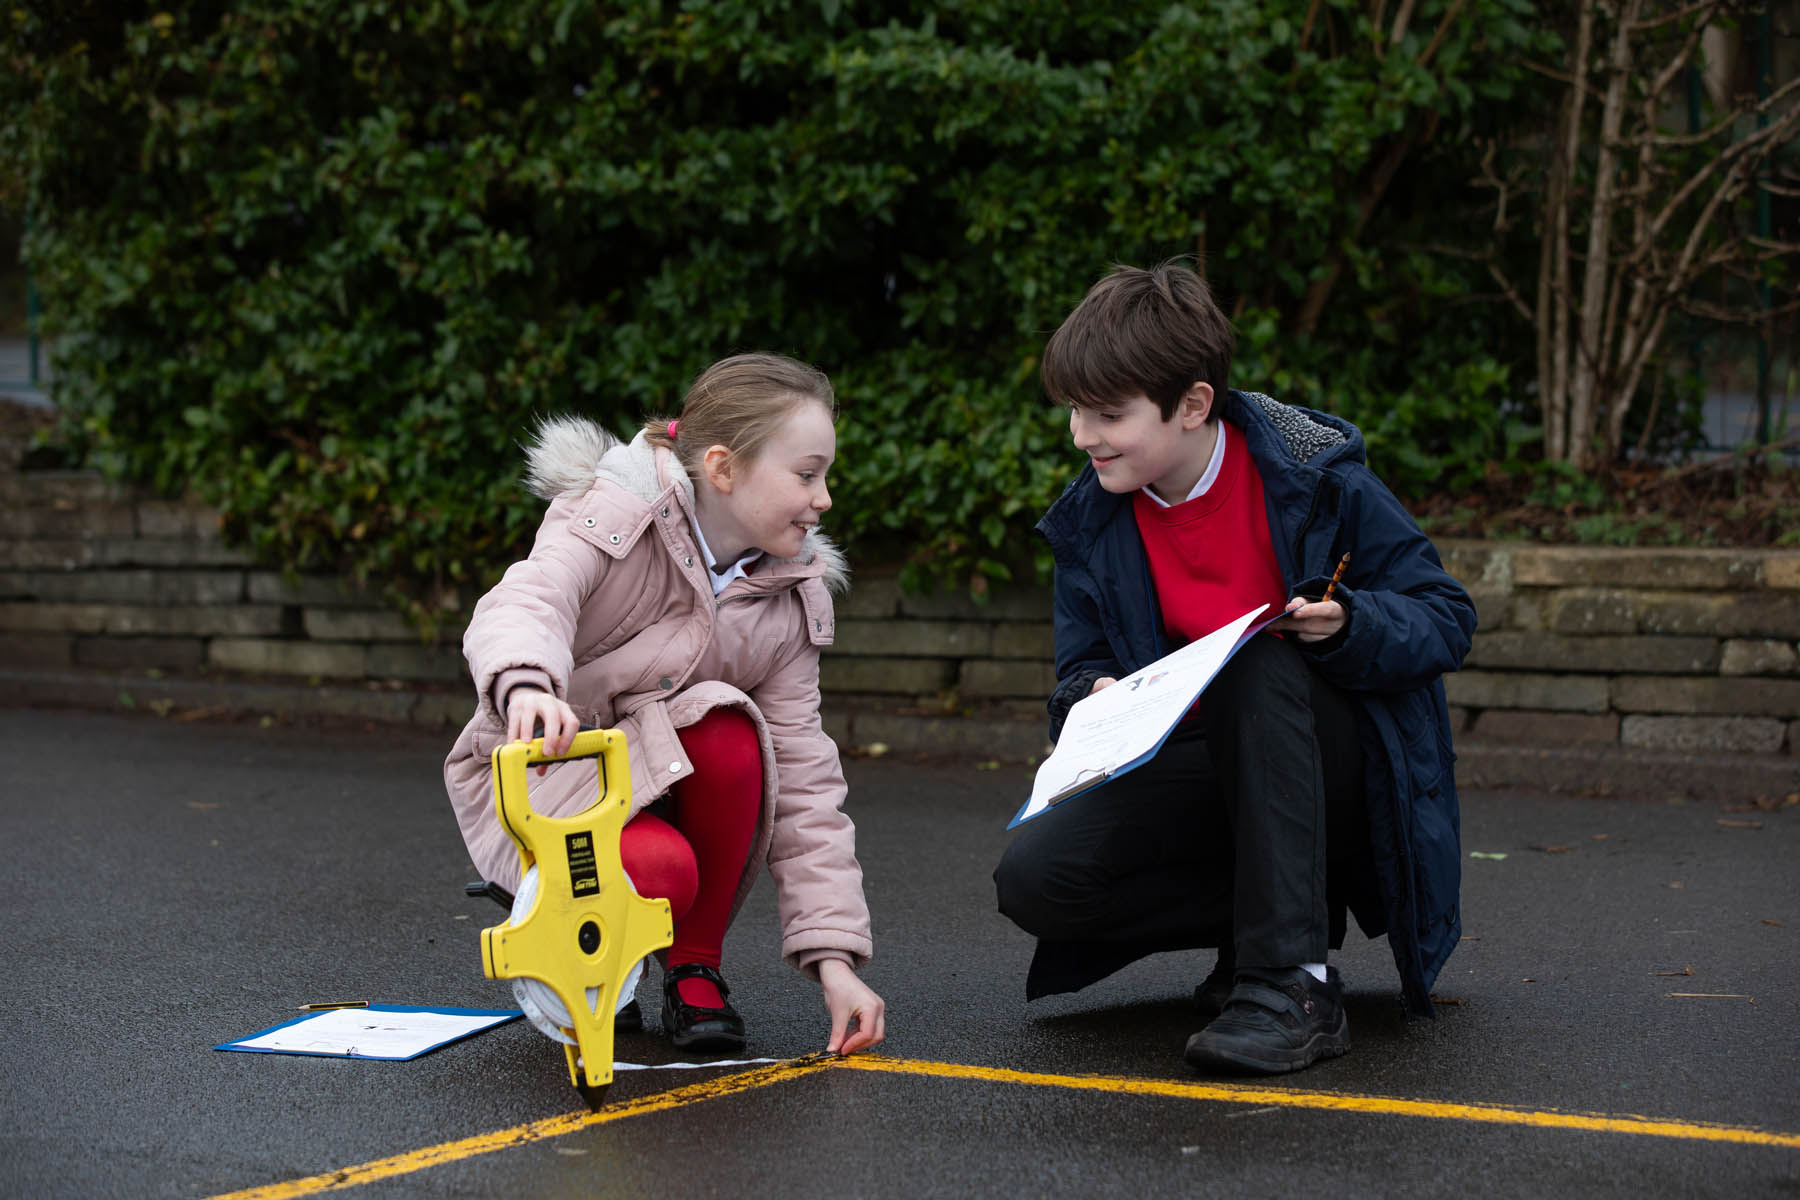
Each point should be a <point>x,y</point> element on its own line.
<point>1211,557</point>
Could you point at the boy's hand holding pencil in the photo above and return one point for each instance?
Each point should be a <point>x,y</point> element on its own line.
<point>1316,620</point>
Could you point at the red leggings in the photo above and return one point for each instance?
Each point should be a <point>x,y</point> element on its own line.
<point>696,858</point>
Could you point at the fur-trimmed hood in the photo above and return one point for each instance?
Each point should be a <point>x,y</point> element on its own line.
<point>564,455</point>
<point>568,455</point>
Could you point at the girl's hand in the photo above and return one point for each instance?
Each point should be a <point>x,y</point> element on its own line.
<point>527,706</point>
<point>1101,684</point>
<point>857,1013</point>
<point>1312,621</point>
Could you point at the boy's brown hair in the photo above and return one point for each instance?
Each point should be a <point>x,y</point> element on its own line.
<point>1155,332</point>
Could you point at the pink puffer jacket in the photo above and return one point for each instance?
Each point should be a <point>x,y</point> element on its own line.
<point>613,612</point>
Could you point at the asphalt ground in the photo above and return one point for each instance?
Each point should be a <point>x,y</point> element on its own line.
<point>174,884</point>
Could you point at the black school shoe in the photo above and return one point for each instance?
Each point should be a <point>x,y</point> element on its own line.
<point>1274,1022</point>
<point>691,1027</point>
<point>1214,991</point>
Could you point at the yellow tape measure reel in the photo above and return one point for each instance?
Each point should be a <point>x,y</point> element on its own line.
<point>588,928</point>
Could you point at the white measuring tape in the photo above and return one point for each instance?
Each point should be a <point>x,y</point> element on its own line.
<point>547,1013</point>
<point>542,1006</point>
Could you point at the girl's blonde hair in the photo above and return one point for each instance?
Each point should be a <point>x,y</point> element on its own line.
<point>739,403</point>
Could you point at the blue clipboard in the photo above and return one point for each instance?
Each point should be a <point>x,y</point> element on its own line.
<point>394,1039</point>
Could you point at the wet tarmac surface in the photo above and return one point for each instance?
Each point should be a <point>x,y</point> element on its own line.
<point>172,885</point>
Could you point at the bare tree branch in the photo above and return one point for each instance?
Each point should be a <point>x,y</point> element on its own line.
<point>1677,63</point>
<point>1773,100</point>
<point>1554,287</point>
<point>1724,463</point>
<point>1595,293</point>
<point>1306,28</point>
<point>1728,315</point>
<point>1710,7</point>
<point>1635,223</point>
<point>1643,442</point>
<point>1725,124</point>
<point>1443,29</point>
<point>1632,373</point>
<point>1510,293</point>
<point>1470,299</point>
<point>1447,251</point>
<point>1502,189</point>
<point>1722,255</point>
<point>1402,19</point>
<point>1562,77</point>
<point>1727,160</point>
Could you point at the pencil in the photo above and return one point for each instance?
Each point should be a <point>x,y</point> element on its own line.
<point>1335,576</point>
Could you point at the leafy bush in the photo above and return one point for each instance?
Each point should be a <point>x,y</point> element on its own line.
<point>323,263</point>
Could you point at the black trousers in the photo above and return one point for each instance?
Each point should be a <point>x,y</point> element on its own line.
<point>1248,829</point>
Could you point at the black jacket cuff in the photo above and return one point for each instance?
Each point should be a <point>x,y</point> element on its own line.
<point>1068,691</point>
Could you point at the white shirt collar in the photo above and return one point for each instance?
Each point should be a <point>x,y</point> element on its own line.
<point>1208,478</point>
<point>722,579</point>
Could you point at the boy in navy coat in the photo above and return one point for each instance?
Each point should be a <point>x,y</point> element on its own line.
<point>1314,779</point>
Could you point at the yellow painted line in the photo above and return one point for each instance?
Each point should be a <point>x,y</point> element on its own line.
<point>535,1131</point>
<point>712,1089</point>
<point>1493,1114</point>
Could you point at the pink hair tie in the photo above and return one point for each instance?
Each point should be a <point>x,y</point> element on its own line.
<point>673,426</point>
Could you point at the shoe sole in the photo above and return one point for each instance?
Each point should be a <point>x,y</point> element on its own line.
<point>715,1043</point>
<point>1327,1044</point>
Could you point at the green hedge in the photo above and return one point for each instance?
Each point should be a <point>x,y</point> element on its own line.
<point>323,262</point>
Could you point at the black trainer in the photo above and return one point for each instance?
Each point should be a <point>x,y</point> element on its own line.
<point>1213,991</point>
<point>1274,1022</point>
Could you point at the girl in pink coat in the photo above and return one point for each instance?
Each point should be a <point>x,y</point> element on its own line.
<point>679,591</point>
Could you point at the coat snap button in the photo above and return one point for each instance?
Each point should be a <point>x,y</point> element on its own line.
<point>675,768</point>
<point>665,683</point>
<point>689,560</point>
<point>665,510</point>
<point>614,539</point>
<point>589,522</point>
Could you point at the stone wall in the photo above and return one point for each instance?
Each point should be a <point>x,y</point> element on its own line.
<point>1679,650</point>
<point>1682,650</point>
<point>93,575</point>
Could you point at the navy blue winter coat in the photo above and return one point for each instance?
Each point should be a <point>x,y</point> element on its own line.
<point>1409,623</point>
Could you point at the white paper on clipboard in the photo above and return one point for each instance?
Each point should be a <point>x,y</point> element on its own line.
<point>1123,726</point>
<point>388,1031</point>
